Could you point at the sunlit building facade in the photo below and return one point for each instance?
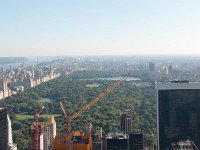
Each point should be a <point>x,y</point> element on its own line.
<point>49,133</point>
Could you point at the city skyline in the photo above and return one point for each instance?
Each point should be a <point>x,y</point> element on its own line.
<point>49,28</point>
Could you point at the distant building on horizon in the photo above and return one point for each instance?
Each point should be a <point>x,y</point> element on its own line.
<point>178,113</point>
<point>151,66</point>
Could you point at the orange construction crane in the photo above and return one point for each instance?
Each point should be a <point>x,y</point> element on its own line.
<point>35,130</point>
<point>69,119</point>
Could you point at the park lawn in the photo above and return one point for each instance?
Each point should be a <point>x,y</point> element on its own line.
<point>23,116</point>
<point>94,85</point>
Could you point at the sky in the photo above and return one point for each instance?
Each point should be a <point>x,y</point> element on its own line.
<point>99,27</point>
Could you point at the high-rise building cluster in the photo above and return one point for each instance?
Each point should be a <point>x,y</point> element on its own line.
<point>43,137</point>
<point>18,79</point>
<point>43,134</point>
<point>126,139</point>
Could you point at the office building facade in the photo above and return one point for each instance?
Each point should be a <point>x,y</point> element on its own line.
<point>123,141</point>
<point>136,141</point>
<point>3,128</point>
<point>126,121</point>
<point>49,133</point>
<point>178,113</point>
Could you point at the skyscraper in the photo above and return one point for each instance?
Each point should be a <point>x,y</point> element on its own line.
<point>49,133</point>
<point>151,66</point>
<point>6,141</point>
<point>178,113</point>
<point>97,138</point>
<point>126,121</point>
<point>11,145</point>
<point>3,128</point>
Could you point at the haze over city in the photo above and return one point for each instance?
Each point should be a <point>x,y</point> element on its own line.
<point>99,75</point>
<point>106,27</point>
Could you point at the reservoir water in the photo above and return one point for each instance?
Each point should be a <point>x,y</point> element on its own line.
<point>115,79</point>
<point>46,100</point>
<point>118,78</point>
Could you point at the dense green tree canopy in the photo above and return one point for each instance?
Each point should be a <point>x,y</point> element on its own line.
<point>74,92</point>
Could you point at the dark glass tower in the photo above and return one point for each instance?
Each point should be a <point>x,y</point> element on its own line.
<point>126,121</point>
<point>3,128</point>
<point>178,113</point>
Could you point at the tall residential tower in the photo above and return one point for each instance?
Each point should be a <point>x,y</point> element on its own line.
<point>49,133</point>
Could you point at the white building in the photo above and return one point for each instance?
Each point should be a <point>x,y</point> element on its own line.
<point>11,145</point>
<point>49,133</point>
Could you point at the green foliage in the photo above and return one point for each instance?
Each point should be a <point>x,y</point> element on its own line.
<point>73,91</point>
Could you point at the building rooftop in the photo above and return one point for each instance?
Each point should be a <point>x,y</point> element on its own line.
<point>177,85</point>
<point>184,145</point>
<point>117,135</point>
<point>3,107</point>
<point>51,120</point>
<point>178,81</point>
<point>126,112</point>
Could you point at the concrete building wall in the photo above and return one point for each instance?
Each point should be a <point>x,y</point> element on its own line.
<point>49,133</point>
<point>41,142</point>
<point>1,95</point>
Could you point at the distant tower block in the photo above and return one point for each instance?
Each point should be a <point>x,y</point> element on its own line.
<point>151,66</point>
<point>88,129</point>
<point>126,121</point>
<point>3,84</point>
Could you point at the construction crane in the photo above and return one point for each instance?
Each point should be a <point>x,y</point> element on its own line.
<point>69,119</point>
<point>37,113</point>
<point>35,129</point>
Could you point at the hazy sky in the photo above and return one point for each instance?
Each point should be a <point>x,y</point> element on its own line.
<point>99,27</point>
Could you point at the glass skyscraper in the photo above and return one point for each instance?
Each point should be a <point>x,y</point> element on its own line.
<point>178,113</point>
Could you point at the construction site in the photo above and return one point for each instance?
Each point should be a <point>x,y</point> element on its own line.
<point>43,135</point>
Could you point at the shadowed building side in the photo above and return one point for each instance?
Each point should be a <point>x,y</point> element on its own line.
<point>178,114</point>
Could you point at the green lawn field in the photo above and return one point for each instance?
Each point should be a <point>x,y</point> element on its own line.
<point>94,85</point>
<point>23,116</point>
